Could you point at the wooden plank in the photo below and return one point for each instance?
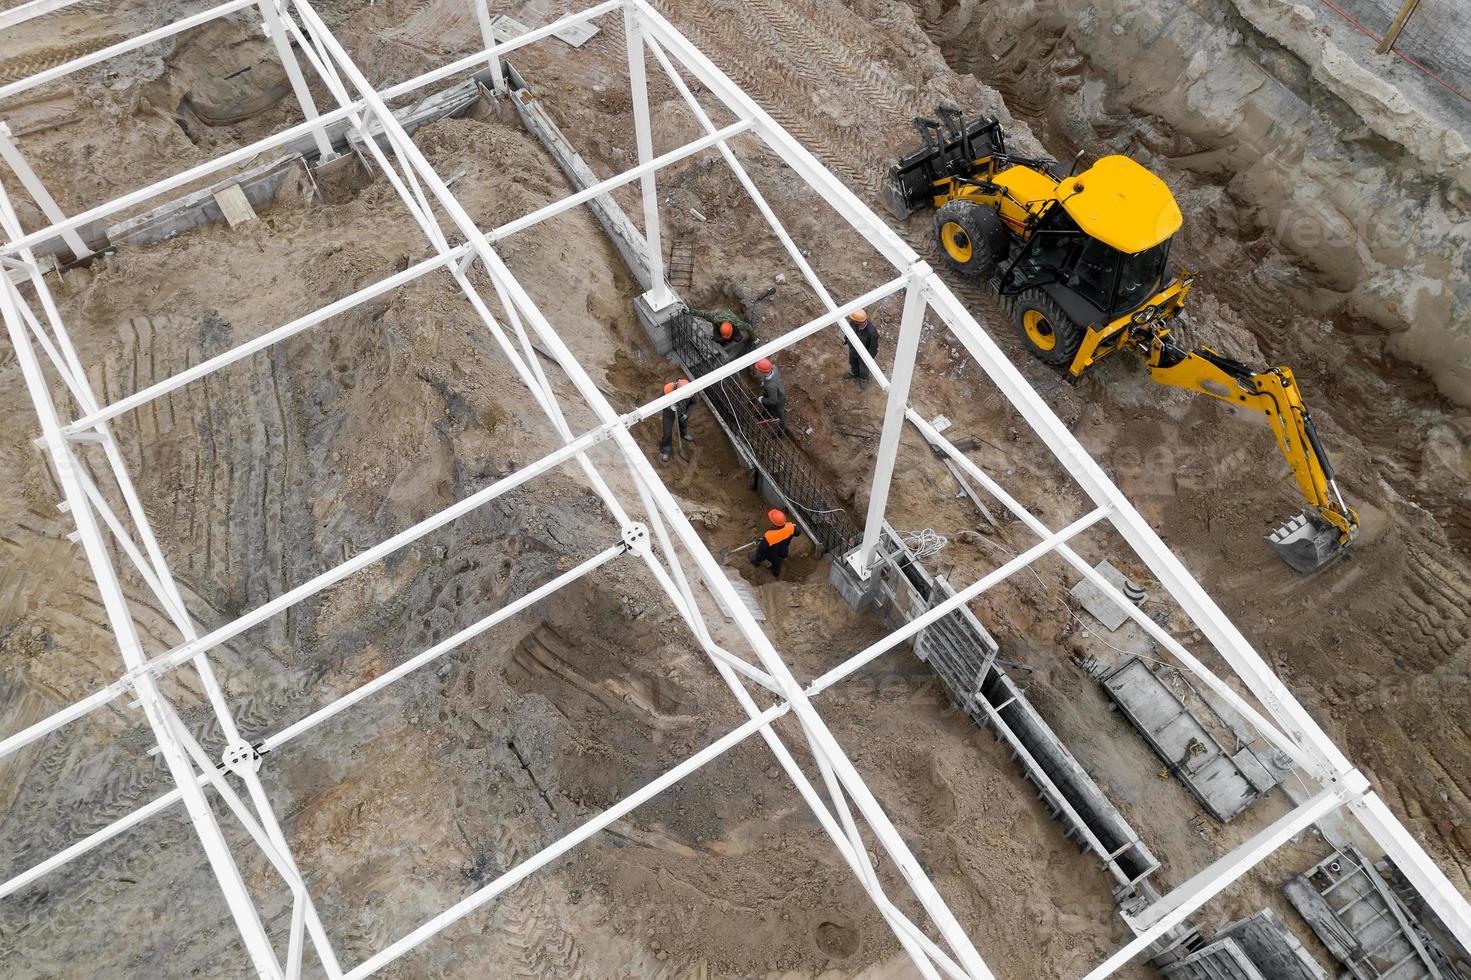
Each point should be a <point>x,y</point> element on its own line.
<point>1400,20</point>
<point>234,205</point>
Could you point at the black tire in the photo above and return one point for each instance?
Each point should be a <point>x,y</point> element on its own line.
<point>971,237</point>
<point>1039,318</point>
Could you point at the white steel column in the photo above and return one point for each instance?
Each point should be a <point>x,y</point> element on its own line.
<point>10,152</point>
<point>658,296</point>
<point>487,34</point>
<point>276,31</point>
<point>905,350</point>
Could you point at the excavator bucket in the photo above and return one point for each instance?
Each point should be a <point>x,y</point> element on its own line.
<point>1307,542</point>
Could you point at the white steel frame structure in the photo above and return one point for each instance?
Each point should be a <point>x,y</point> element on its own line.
<point>939,947</point>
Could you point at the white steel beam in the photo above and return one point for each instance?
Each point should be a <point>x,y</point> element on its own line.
<point>1174,908</point>
<point>13,16</point>
<point>123,47</point>
<point>896,401</point>
<point>250,152</point>
<point>242,907</point>
<point>869,225</point>
<point>487,35</point>
<point>812,724</point>
<point>793,252</point>
<point>549,854</point>
<point>1418,867</point>
<point>658,296</point>
<point>10,153</point>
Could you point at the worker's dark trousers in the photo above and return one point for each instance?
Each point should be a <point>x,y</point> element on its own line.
<point>669,416</point>
<point>778,412</point>
<point>738,347</point>
<point>766,553</point>
<point>856,365</point>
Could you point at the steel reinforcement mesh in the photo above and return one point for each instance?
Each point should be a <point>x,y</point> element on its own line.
<point>1437,36</point>
<point>734,400</point>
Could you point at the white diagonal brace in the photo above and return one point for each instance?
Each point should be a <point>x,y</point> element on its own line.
<point>1174,908</point>
<point>242,907</point>
<point>10,153</point>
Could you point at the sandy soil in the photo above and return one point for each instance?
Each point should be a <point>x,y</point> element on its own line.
<point>276,469</point>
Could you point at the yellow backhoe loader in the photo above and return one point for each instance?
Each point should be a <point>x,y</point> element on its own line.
<point>1084,259</point>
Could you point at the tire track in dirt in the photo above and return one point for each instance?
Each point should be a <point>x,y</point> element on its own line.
<point>764,68</point>
<point>1435,605</point>
<point>43,59</point>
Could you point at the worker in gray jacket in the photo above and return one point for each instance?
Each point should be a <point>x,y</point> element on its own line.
<point>773,393</point>
<point>867,335</point>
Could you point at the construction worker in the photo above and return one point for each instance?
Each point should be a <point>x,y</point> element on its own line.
<point>676,415</point>
<point>868,334</point>
<point>773,393</point>
<point>734,335</point>
<point>773,546</point>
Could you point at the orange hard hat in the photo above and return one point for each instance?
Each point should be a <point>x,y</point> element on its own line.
<point>672,385</point>
<point>726,330</point>
<point>859,316</point>
<point>763,366</point>
<point>776,517</point>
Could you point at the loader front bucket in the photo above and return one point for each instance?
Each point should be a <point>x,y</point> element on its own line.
<point>1307,542</point>
<point>894,197</point>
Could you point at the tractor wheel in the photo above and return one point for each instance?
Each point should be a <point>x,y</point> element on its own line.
<point>1051,336</point>
<point>972,238</point>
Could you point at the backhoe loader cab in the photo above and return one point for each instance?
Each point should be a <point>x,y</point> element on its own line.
<point>1084,258</point>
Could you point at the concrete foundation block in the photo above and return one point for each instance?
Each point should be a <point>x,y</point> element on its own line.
<point>856,592</point>
<point>1103,609</point>
<point>656,321</point>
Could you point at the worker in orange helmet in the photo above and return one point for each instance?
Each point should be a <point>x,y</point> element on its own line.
<point>773,393</point>
<point>734,335</point>
<point>868,335</point>
<point>675,416</point>
<point>772,547</point>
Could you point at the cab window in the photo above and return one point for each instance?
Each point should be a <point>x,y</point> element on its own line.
<point>1045,253</point>
<point>1092,274</point>
<point>1139,277</point>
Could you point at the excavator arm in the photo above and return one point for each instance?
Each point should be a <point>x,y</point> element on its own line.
<point>1313,538</point>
